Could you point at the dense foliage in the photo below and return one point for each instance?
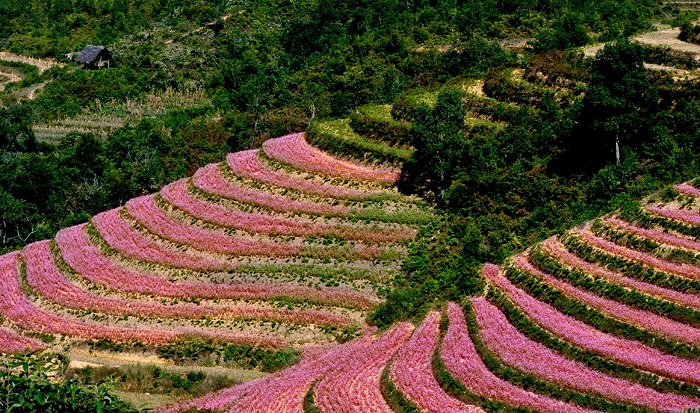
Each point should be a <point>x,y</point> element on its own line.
<point>552,166</point>
<point>34,383</point>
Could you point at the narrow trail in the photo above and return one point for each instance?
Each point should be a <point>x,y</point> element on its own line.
<point>41,64</point>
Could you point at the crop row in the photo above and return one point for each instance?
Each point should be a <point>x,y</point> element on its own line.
<point>90,262</point>
<point>149,215</point>
<point>658,249</point>
<point>559,252</point>
<point>582,335</point>
<point>687,189</point>
<point>16,307</point>
<point>295,151</point>
<point>528,356</point>
<point>130,242</point>
<point>663,237</point>
<point>629,268</point>
<point>596,318</point>
<point>683,215</point>
<point>685,270</point>
<point>348,377</point>
<point>648,321</point>
<point>412,374</point>
<point>45,277</point>
<point>247,164</point>
<point>178,195</point>
<point>603,286</point>
<point>284,391</point>
<point>463,362</point>
<point>355,385</point>
<point>12,342</point>
<point>210,179</point>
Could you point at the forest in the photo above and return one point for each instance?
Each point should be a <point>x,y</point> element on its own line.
<point>552,139</point>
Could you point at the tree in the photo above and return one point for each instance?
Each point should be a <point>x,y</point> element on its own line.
<point>15,129</point>
<point>439,144</point>
<point>618,109</point>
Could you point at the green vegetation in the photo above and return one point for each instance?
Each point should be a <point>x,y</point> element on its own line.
<point>233,355</point>
<point>552,166</point>
<point>30,383</point>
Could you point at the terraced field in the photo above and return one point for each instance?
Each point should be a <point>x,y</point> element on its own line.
<point>289,247</point>
<point>604,318</point>
<point>280,248</point>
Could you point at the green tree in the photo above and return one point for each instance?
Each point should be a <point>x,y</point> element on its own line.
<point>439,144</point>
<point>619,108</point>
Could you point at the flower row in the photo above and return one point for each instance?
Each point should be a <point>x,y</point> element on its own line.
<point>528,356</point>
<point>15,306</point>
<point>44,277</point>
<point>149,215</point>
<point>355,385</point>
<point>648,321</point>
<point>11,342</point>
<point>683,215</point>
<point>210,179</point>
<point>579,334</point>
<point>463,362</point>
<point>89,261</point>
<point>686,270</point>
<point>558,251</point>
<point>295,151</point>
<point>688,189</point>
<point>663,237</point>
<point>178,195</point>
<point>412,373</point>
<point>247,164</point>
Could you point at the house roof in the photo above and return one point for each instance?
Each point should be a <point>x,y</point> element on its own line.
<point>89,53</point>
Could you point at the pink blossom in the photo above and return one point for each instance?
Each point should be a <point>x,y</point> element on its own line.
<point>624,351</point>
<point>89,261</point>
<point>17,308</point>
<point>686,270</point>
<point>412,373</point>
<point>557,250</point>
<point>688,189</point>
<point>663,237</point>
<point>178,195</point>
<point>247,164</point>
<point>280,392</point>
<point>46,279</point>
<point>209,179</point>
<point>516,350</point>
<point>683,215</point>
<point>644,319</point>
<point>147,213</point>
<point>121,236</point>
<point>463,362</point>
<point>12,342</point>
<point>354,386</point>
<point>295,151</point>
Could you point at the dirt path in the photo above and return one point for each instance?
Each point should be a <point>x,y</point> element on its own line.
<point>11,77</point>
<point>41,64</point>
<point>667,36</point>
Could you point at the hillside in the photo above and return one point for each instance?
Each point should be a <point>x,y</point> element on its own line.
<point>318,206</point>
<point>602,318</point>
<point>257,258</point>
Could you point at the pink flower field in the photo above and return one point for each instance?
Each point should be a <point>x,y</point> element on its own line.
<point>516,350</point>
<point>295,151</point>
<point>281,256</point>
<point>246,164</point>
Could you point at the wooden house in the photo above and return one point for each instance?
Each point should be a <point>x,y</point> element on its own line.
<point>94,57</point>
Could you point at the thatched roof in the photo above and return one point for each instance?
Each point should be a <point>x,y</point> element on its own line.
<point>88,54</point>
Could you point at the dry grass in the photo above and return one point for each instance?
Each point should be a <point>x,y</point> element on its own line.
<point>41,64</point>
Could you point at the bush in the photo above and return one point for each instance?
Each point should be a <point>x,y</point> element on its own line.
<point>28,384</point>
